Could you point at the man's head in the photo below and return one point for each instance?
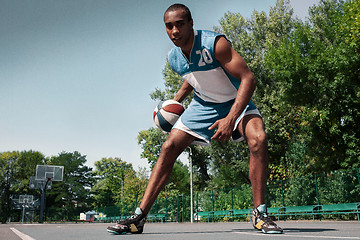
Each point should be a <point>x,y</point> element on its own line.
<point>179,24</point>
<point>179,6</point>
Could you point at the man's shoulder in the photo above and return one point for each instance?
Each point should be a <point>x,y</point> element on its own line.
<point>174,55</point>
<point>207,38</point>
<point>176,59</point>
<point>207,33</point>
<point>174,51</point>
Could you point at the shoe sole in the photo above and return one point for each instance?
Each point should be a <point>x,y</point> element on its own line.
<point>116,233</point>
<point>123,233</point>
<point>272,232</point>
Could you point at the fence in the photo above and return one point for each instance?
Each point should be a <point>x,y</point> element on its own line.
<point>342,186</point>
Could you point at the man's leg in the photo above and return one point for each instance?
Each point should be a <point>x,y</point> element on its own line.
<point>252,128</point>
<point>170,150</point>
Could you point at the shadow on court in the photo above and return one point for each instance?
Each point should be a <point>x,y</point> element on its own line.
<point>243,230</point>
<point>188,232</point>
<point>309,230</point>
<point>289,230</point>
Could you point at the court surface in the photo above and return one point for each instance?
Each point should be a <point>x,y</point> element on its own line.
<point>180,231</point>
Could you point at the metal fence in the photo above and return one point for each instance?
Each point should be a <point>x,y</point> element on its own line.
<point>342,186</point>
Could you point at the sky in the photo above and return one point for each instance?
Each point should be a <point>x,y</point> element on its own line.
<point>77,75</point>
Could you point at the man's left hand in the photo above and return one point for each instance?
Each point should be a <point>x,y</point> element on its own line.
<point>224,129</point>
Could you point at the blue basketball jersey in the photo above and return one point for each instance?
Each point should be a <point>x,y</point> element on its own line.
<point>215,89</point>
<point>203,72</point>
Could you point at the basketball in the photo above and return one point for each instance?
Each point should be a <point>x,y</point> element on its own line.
<point>166,113</point>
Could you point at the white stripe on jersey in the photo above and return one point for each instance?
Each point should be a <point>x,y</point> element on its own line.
<point>212,85</point>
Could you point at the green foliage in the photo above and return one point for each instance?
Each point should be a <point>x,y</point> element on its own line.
<point>180,177</point>
<point>151,141</point>
<point>341,186</point>
<point>133,189</point>
<point>16,168</point>
<point>229,164</point>
<point>338,187</point>
<point>300,191</point>
<point>67,199</point>
<point>351,23</point>
<point>225,199</point>
<point>119,187</point>
<point>307,90</point>
<point>252,38</point>
<point>201,164</point>
<point>317,59</point>
<point>113,176</point>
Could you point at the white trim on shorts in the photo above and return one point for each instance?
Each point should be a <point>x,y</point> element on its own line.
<point>202,140</point>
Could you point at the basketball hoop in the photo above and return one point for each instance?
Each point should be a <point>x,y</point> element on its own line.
<point>45,174</point>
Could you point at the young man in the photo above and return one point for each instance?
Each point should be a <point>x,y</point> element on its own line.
<point>223,86</point>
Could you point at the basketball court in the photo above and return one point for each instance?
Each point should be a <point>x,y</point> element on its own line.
<point>180,231</point>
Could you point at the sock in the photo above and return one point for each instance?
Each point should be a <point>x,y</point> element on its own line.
<point>262,209</point>
<point>138,211</point>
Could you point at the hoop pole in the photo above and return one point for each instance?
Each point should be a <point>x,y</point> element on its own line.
<point>42,205</point>
<point>23,214</point>
<point>191,188</point>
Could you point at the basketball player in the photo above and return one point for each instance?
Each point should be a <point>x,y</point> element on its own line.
<point>223,86</point>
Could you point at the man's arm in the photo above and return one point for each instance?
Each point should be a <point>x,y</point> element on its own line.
<point>235,65</point>
<point>185,90</point>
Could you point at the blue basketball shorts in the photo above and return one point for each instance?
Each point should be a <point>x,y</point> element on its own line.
<point>200,115</point>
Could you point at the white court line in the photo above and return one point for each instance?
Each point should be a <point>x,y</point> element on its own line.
<point>298,236</point>
<point>21,235</point>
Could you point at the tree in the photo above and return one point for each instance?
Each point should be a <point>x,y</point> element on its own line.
<point>229,165</point>
<point>151,141</point>
<point>7,177</point>
<point>67,199</point>
<point>252,38</point>
<point>201,165</point>
<point>307,91</point>
<point>16,168</point>
<point>318,67</point>
<point>113,176</point>
<point>134,188</point>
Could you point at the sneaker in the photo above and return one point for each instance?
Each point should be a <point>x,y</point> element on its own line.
<point>134,224</point>
<point>262,222</point>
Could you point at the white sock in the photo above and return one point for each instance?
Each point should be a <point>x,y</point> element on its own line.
<point>262,208</point>
<point>138,211</point>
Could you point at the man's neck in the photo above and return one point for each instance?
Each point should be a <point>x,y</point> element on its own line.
<point>188,47</point>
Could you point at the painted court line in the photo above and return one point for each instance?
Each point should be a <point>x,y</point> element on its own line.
<point>21,235</point>
<point>298,236</point>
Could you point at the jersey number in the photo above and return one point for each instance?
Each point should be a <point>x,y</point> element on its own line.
<point>205,57</point>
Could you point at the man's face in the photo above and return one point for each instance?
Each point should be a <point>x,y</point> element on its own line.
<point>178,27</point>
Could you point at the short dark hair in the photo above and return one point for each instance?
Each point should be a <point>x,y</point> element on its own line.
<point>178,6</point>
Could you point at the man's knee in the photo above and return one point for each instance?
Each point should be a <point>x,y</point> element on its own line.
<point>257,141</point>
<point>176,142</point>
<point>168,146</point>
<point>171,147</point>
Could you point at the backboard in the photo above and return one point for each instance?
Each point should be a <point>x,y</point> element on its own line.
<point>44,172</point>
<point>38,184</point>
<point>26,199</point>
